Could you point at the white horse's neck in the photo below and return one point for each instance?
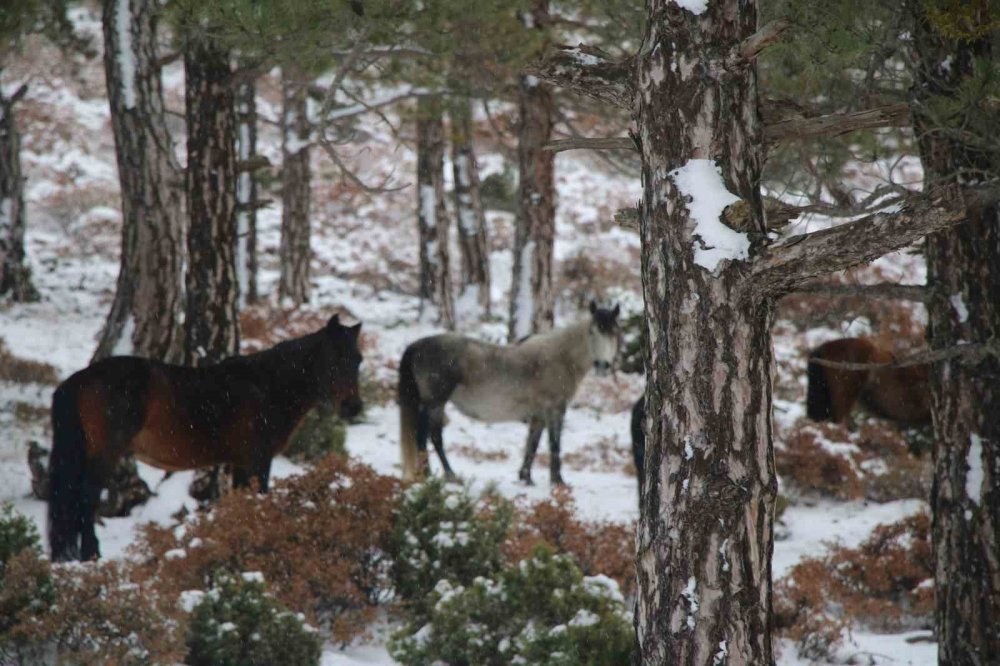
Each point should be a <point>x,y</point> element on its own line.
<point>570,343</point>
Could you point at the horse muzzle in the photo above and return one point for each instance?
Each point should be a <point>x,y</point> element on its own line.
<point>350,408</point>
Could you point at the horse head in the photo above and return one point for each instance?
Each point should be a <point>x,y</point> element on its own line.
<point>605,333</point>
<point>339,366</point>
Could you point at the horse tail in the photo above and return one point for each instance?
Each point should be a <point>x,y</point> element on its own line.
<point>67,475</point>
<point>819,406</point>
<point>410,416</point>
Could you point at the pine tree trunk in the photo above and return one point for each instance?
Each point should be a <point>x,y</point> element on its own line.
<point>432,215</point>
<point>146,315</point>
<point>295,196</point>
<point>532,301</point>
<point>963,268</point>
<point>472,233</point>
<point>211,321</point>
<point>15,274</point>
<point>246,193</point>
<point>706,528</point>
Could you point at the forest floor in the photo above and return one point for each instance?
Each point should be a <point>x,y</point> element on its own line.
<point>365,264</point>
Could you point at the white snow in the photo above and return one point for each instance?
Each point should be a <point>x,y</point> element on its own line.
<point>974,477</point>
<point>958,303</point>
<point>696,7</point>
<point>524,306</point>
<point>126,344</point>
<point>701,181</point>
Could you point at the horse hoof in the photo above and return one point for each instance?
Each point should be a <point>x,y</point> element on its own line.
<point>559,483</point>
<point>525,479</point>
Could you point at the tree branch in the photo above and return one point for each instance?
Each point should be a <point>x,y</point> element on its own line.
<point>588,71</point>
<point>587,143</point>
<point>252,163</point>
<point>835,124</point>
<point>970,352</point>
<point>889,290</point>
<point>781,268</point>
<point>752,46</point>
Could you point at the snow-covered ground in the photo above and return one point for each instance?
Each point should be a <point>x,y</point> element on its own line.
<point>365,254</point>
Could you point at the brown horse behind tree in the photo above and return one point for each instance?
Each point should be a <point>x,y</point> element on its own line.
<point>901,394</point>
<point>242,411</point>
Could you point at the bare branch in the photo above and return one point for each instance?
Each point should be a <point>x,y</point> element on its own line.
<point>835,124</point>
<point>781,268</point>
<point>628,218</point>
<point>256,204</point>
<point>888,290</point>
<point>334,156</point>
<point>752,46</point>
<point>595,143</point>
<point>971,353</point>
<point>253,163</point>
<point>21,91</point>
<point>587,70</point>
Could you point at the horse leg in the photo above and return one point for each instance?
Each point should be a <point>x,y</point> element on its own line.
<point>436,425</point>
<point>535,427</point>
<point>555,433</point>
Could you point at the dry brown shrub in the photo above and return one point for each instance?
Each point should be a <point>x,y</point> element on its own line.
<point>883,584</point>
<point>97,615</point>
<point>478,454</point>
<point>586,276</point>
<point>599,547</point>
<point>812,468</point>
<point>602,455</point>
<point>24,371</point>
<point>317,538</point>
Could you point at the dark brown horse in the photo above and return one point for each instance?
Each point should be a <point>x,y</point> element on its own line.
<point>242,411</point>
<point>901,394</point>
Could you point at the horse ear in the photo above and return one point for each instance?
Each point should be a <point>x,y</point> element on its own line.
<point>334,322</point>
<point>593,307</point>
<point>617,311</point>
<point>355,330</point>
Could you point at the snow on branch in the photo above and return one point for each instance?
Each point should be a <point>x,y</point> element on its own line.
<point>781,268</point>
<point>587,70</point>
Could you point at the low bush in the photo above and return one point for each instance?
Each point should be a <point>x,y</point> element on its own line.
<point>807,461</point>
<point>236,623</point>
<point>320,433</point>
<point>542,611</point>
<point>318,538</point>
<point>23,371</point>
<point>885,584</point>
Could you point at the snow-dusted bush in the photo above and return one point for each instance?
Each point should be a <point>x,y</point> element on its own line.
<point>540,611</point>
<point>25,580</point>
<point>443,533</point>
<point>318,538</point>
<point>236,623</point>
<point>885,584</point>
<point>91,614</point>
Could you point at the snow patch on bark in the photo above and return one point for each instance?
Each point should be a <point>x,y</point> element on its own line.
<point>960,309</point>
<point>427,206</point>
<point>524,305</point>
<point>126,58</point>
<point>126,345</point>
<point>696,7</point>
<point>974,477</point>
<point>701,181</point>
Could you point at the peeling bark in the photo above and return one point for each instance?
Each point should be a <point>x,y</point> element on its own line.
<point>147,313</point>
<point>963,268</point>
<point>295,194</point>
<point>432,215</point>
<point>706,527</point>
<point>211,320</point>
<point>472,233</point>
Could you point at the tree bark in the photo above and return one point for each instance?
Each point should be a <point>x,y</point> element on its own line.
<point>472,232</point>
<point>146,315</point>
<point>211,321</point>
<point>432,215</point>
<point>15,274</point>
<point>295,194</point>
<point>246,193</point>
<point>963,269</point>
<point>532,301</point>
<point>706,526</point>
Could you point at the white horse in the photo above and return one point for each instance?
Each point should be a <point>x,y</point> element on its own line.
<point>532,381</point>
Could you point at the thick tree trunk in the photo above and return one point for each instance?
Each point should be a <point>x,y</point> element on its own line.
<point>705,533</point>
<point>246,193</point>
<point>295,196</point>
<point>474,301</point>
<point>146,315</point>
<point>963,271</point>
<point>211,321</point>
<point>532,301</point>
<point>15,274</point>
<point>432,215</point>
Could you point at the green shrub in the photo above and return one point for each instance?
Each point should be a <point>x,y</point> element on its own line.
<point>16,534</point>
<point>236,623</point>
<point>30,584</point>
<point>441,533</point>
<point>320,433</point>
<point>541,611</point>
